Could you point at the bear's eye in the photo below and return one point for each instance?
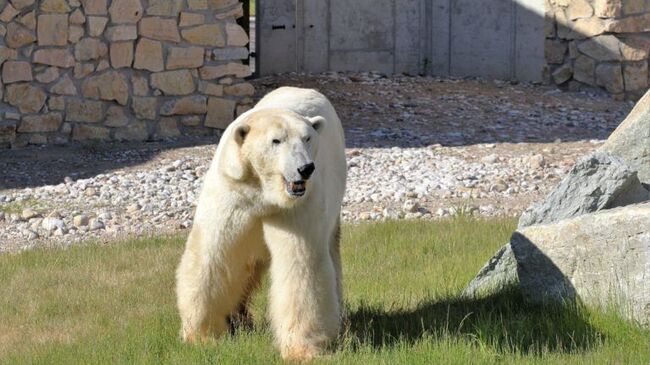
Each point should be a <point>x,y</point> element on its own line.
<point>275,141</point>
<point>307,139</point>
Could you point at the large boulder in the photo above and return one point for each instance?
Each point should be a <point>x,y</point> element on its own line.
<point>602,259</point>
<point>631,140</point>
<point>597,181</point>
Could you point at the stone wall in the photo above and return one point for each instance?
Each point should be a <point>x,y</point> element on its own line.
<point>119,70</point>
<point>601,43</point>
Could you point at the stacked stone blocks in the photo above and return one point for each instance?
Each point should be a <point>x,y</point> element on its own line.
<point>599,43</point>
<point>120,70</point>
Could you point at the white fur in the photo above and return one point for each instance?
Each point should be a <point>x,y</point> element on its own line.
<point>245,219</point>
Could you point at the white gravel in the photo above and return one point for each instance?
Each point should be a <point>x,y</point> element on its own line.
<point>393,183</point>
<point>459,146</point>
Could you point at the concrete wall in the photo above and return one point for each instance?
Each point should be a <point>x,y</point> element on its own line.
<point>498,38</point>
<point>572,43</point>
<point>119,69</point>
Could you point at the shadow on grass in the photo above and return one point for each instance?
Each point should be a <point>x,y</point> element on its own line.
<point>504,323</point>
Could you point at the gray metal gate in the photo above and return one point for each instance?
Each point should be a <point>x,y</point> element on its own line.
<point>492,38</point>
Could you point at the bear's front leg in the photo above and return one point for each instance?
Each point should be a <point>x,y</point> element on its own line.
<point>304,306</point>
<point>212,277</point>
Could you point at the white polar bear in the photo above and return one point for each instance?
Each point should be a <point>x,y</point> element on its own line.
<point>271,198</point>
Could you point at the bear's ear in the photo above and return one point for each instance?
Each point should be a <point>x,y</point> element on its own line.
<point>240,133</point>
<point>232,162</point>
<point>317,123</point>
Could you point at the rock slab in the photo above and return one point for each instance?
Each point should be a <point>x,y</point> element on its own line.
<point>601,258</point>
<point>597,181</point>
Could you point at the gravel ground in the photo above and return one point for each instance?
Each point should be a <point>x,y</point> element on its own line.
<point>417,148</point>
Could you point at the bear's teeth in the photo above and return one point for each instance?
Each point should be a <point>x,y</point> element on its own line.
<point>296,187</point>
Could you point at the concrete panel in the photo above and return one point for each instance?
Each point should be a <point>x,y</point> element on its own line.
<point>482,38</point>
<point>277,48</point>
<point>361,24</point>
<point>439,15</point>
<point>408,33</point>
<point>316,28</point>
<point>529,40</point>
<point>381,61</point>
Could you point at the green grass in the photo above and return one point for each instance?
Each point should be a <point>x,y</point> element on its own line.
<point>115,305</point>
<point>17,207</point>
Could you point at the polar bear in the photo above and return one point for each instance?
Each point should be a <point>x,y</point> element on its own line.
<point>271,199</point>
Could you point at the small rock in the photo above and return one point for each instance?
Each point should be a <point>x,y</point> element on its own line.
<point>536,162</point>
<point>95,225</point>
<point>106,216</point>
<point>80,220</point>
<point>15,218</point>
<point>499,186</point>
<point>51,223</point>
<point>133,208</point>
<point>55,214</point>
<point>29,213</point>
<point>35,223</point>
<point>490,158</point>
<point>411,206</point>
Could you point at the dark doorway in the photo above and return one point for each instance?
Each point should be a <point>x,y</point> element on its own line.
<point>248,22</point>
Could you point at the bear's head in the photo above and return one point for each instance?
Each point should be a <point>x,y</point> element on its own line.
<point>274,149</point>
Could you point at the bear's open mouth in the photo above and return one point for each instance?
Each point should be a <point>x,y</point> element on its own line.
<point>296,188</point>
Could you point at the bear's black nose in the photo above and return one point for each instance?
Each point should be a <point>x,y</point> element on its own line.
<point>305,171</point>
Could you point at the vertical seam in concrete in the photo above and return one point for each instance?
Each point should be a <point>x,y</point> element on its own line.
<point>300,34</point>
<point>394,38</point>
<point>329,33</point>
<point>430,50</point>
<point>513,41</point>
<point>449,11</point>
<point>425,30</point>
<point>420,36</point>
<point>257,37</point>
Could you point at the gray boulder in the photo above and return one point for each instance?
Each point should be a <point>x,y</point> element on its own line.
<point>631,140</point>
<point>597,181</point>
<point>601,258</point>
